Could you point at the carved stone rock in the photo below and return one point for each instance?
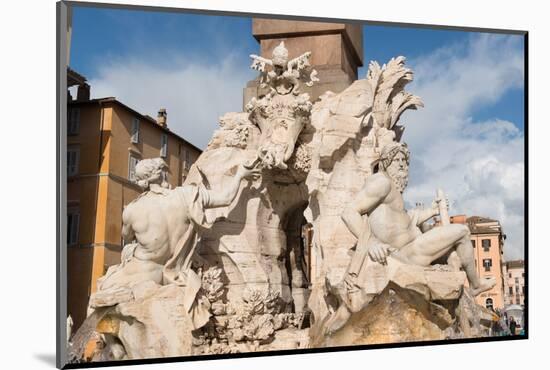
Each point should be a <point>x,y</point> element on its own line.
<point>394,316</point>
<point>155,325</point>
<point>433,283</point>
<point>403,303</point>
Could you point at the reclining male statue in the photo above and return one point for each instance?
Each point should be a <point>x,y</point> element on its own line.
<point>378,219</point>
<point>160,229</point>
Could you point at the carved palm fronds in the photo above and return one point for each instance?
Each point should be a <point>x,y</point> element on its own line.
<point>390,99</point>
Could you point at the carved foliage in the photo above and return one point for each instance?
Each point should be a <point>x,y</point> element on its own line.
<point>235,131</point>
<point>390,100</point>
<point>246,325</point>
<point>212,286</point>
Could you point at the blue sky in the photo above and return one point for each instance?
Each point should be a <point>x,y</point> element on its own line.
<point>382,43</point>
<point>100,33</point>
<point>113,34</point>
<point>468,140</point>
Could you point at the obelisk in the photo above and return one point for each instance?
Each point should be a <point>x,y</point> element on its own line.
<point>336,48</point>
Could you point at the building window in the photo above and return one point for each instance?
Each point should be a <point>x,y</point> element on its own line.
<point>73,121</point>
<point>487,263</point>
<point>186,159</point>
<point>473,243</point>
<point>135,131</point>
<point>516,280</point>
<point>163,145</point>
<point>73,222</point>
<point>489,303</point>
<point>523,274</point>
<point>486,244</point>
<point>523,290</point>
<point>132,162</point>
<point>73,159</point>
<point>517,289</point>
<point>518,300</point>
<point>511,290</point>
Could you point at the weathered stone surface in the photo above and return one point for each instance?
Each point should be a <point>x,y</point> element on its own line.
<point>428,281</point>
<point>155,325</point>
<point>394,316</point>
<point>111,297</point>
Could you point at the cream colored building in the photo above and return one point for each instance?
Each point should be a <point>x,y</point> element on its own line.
<point>514,278</point>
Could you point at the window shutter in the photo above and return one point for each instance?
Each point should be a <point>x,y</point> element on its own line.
<point>187,159</point>
<point>76,125</point>
<point>163,145</point>
<point>73,158</point>
<point>77,161</point>
<point>74,228</point>
<point>73,222</point>
<point>70,227</point>
<point>73,124</point>
<point>70,162</point>
<point>130,169</point>
<point>135,131</point>
<point>132,162</point>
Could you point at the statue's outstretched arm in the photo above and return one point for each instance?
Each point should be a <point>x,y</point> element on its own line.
<point>422,215</point>
<point>223,197</point>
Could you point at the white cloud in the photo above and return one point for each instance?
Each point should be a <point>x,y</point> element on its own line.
<point>194,92</point>
<point>480,165</point>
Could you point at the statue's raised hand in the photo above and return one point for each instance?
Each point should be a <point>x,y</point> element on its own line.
<point>249,171</point>
<point>440,203</point>
<point>378,252</point>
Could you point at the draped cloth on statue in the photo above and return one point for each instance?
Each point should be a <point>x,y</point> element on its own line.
<point>178,268</point>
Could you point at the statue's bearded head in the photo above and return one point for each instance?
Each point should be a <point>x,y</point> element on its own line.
<point>394,159</point>
<point>150,171</point>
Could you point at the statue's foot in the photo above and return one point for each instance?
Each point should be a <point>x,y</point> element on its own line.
<point>337,320</point>
<point>338,291</point>
<point>484,285</point>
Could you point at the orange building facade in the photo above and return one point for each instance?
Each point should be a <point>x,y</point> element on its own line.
<point>105,140</point>
<point>487,240</point>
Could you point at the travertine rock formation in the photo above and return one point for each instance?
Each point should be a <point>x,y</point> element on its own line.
<point>394,316</point>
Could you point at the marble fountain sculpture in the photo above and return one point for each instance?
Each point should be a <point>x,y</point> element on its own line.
<point>289,232</point>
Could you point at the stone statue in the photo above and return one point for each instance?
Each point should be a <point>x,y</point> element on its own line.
<point>384,229</point>
<point>160,228</point>
<point>250,281</point>
<point>283,112</point>
<point>349,131</point>
<point>70,324</point>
